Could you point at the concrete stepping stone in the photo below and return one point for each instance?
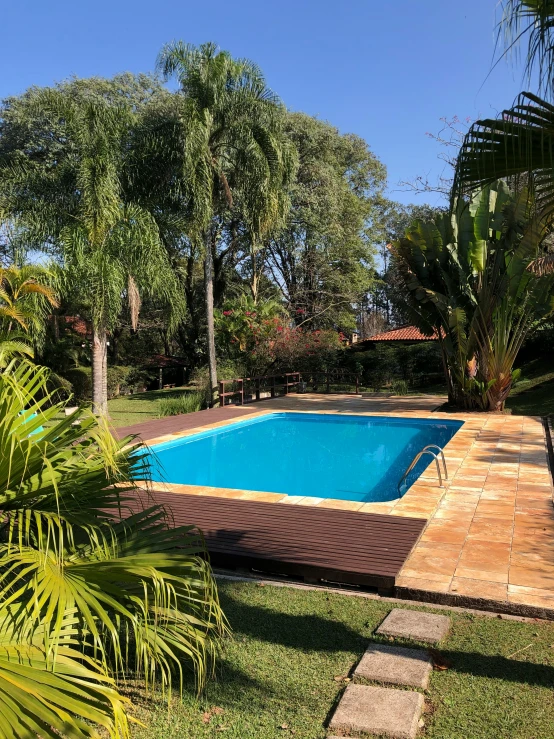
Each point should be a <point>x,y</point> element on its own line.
<point>384,712</point>
<point>416,625</point>
<point>395,665</point>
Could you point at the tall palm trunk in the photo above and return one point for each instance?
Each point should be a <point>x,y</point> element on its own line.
<point>209,297</point>
<point>99,371</point>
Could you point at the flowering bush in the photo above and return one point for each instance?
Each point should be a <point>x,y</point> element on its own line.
<point>268,343</point>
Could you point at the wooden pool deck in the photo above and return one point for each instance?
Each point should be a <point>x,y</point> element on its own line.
<point>310,543</point>
<point>488,541</point>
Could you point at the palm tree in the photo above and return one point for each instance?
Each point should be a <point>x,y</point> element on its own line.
<point>533,21</point>
<point>466,276</point>
<point>26,296</point>
<point>95,587</point>
<point>235,154</point>
<point>519,144</point>
<point>77,202</point>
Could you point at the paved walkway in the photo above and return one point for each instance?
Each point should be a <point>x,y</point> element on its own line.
<point>490,532</point>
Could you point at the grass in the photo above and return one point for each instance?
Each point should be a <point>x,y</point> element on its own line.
<point>184,403</point>
<point>533,395</point>
<point>130,409</point>
<point>283,670</point>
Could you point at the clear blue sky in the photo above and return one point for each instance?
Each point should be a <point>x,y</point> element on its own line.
<point>386,71</point>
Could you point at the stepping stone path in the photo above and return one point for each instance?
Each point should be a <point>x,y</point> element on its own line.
<point>382,711</point>
<point>394,665</point>
<point>415,625</point>
<point>365,710</point>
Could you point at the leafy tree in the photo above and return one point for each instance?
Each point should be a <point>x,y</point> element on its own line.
<point>234,154</point>
<point>323,260</point>
<point>70,195</point>
<point>466,277</point>
<point>384,304</point>
<point>94,587</point>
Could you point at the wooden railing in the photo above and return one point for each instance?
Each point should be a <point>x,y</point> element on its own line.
<point>324,381</point>
<point>284,382</point>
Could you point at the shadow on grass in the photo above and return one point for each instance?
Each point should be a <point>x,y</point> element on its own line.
<point>153,395</point>
<point>500,668</point>
<point>310,632</point>
<point>306,632</point>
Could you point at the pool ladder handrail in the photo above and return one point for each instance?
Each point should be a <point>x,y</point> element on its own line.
<point>427,450</point>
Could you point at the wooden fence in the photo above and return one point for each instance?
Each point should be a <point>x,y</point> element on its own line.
<point>250,389</point>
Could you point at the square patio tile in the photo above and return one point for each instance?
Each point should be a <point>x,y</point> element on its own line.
<point>395,665</point>
<point>416,625</point>
<point>378,711</point>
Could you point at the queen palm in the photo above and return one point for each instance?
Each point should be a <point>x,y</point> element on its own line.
<point>235,155</point>
<point>76,201</point>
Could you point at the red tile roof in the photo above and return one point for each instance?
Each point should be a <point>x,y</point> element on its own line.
<point>404,333</point>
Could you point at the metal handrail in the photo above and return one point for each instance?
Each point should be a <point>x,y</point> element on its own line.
<point>427,450</point>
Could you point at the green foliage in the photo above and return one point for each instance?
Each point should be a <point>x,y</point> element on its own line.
<point>185,403</point>
<point>117,376</point>
<point>81,382</point>
<point>530,21</point>
<point>27,295</point>
<point>518,145</point>
<point>323,258</point>
<point>467,276</point>
<point>227,369</point>
<point>417,364</point>
<point>76,201</point>
<point>118,596</point>
<point>399,387</point>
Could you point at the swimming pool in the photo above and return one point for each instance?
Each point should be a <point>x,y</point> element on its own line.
<point>348,457</point>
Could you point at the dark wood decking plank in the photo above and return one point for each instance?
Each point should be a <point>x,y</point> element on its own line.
<point>185,422</point>
<point>351,547</point>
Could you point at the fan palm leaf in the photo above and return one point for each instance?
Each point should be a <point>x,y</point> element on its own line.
<point>90,569</point>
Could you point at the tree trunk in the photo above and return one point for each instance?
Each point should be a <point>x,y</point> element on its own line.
<point>209,297</point>
<point>446,368</point>
<point>99,372</point>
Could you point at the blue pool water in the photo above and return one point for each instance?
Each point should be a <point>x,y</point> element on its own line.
<point>327,456</point>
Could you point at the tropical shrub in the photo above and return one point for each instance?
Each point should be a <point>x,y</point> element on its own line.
<point>95,587</point>
<point>184,403</point>
<point>81,382</point>
<point>399,387</point>
<point>26,297</point>
<point>469,277</point>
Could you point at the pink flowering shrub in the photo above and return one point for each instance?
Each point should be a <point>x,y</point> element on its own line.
<point>269,344</point>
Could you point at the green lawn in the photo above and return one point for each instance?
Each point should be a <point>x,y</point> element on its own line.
<point>282,671</point>
<point>534,394</point>
<point>129,409</point>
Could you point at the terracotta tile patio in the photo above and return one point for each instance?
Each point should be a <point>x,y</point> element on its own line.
<point>490,531</point>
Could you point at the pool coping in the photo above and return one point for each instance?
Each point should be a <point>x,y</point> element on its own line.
<point>489,539</point>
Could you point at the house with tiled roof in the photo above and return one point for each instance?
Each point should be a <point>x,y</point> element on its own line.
<point>401,335</point>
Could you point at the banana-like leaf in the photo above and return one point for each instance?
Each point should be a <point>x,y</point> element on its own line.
<point>472,277</point>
